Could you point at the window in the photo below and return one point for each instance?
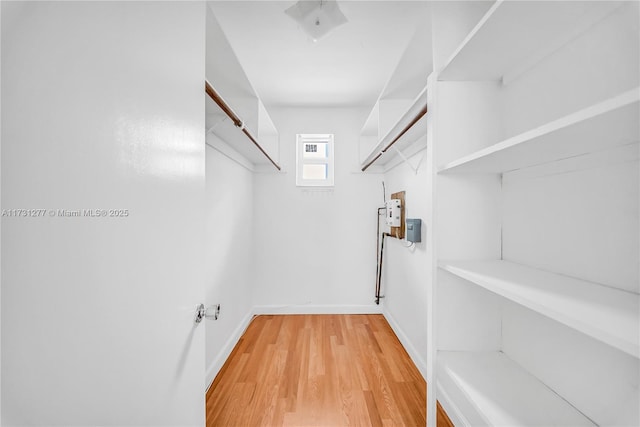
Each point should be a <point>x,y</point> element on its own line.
<point>314,160</point>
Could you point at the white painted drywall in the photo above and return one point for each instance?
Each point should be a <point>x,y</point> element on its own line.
<point>406,270</point>
<point>229,260</point>
<point>576,220</point>
<point>103,109</point>
<point>0,220</point>
<point>315,249</point>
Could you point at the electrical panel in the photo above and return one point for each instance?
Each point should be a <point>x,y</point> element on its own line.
<point>414,230</point>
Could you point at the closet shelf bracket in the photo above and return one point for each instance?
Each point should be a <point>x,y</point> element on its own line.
<point>416,119</point>
<point>212,128</point>
<point>404,158</point>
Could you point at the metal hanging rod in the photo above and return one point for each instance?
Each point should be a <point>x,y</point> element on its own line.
<point>415,120</point>
<point>234,118</point>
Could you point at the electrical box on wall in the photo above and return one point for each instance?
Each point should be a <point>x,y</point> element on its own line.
<point>414,230</point>
<point>397,228</point>
<point>393,213</point>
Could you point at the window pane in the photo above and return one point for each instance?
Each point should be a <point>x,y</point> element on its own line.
<point>315,150</point>
<point>314,171</point>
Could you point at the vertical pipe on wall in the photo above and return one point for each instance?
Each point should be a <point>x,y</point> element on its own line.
<point>0,223</point>
<point>378,283</point>
<point>378,254</point>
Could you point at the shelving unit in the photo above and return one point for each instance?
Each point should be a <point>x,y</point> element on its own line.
<point>496,391</point>
<point>604,313</point>
<point>536,145</point>
<point>604,125</point>
<point>396,127</point>
<point>254,141</point>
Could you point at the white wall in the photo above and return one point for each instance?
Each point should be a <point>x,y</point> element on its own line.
<point>0,221</point>
<point>315,250</point>
<point>406,270</point>
<point>229,261</point>
<point>103,109</point>
<point>566,218</point>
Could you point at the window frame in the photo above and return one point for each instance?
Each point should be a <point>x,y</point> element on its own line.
<point>303,138</point>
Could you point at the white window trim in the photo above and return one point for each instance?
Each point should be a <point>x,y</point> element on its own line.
<point>301,139</point>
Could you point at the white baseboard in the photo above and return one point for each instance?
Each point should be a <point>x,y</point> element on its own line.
<point>317,309</point>
<point>226,350</point>
<point>407,344</point>
<point>452,410</point>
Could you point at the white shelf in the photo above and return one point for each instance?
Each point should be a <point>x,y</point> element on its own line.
<point>513,34</point>
<point>610,123</point>
<point>227,77</point>
<point>488,388</point>
<point>606,314</point>
<point>219,124</point>
<point>413,140</point>
<point>398,105</point>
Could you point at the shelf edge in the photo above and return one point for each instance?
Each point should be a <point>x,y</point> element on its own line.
<point>619,101</point>
<point>573,322</point>
<point>481,23</point>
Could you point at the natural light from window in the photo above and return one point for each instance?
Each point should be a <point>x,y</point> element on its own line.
<point>314,160</point>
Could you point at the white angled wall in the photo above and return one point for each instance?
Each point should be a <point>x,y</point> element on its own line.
<point>0,225</point>
<point>314,249</point>
<point>228,255</point>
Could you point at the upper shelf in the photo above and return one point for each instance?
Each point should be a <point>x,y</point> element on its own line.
<point>607,314</point>
<point>233,111</point>
<point>604,125</point>
<point>513,35</point>
<point>408,131</point>
<point>397,120</point>
<point>222,121</point>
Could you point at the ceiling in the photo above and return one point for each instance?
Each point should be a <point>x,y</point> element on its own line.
<point>350,66</point>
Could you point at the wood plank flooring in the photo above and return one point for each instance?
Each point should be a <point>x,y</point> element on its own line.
<point>318,370</point>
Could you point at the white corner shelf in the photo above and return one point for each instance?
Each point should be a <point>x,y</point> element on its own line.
<point>514,35</point>
<point>607,124</point>
<point>488,388</point>
<point>607,314</point>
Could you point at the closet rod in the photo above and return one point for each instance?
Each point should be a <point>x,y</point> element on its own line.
<point>234,118</point>
<point>415,120</point>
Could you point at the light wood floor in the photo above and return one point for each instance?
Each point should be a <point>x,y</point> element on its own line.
<point>318,370</point>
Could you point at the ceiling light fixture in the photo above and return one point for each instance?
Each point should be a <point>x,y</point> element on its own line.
<point>317,18</point>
